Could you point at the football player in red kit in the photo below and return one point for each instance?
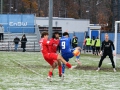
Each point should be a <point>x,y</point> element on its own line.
<point>54,43</point>
<point>52,58</point>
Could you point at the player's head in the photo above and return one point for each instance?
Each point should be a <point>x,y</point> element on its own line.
<point>44,35</point>
<point>66,34</point>
<point>106,37</point>
<point>55,35</point>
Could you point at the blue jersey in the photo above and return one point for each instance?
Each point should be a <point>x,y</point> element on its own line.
<point>65,44</point>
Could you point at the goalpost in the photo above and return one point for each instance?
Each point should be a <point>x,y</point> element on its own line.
<point>115,42</point>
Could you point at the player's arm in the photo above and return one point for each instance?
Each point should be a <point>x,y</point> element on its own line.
<point>102,47</point>
<point>46,42</point>
<point>113,47</point>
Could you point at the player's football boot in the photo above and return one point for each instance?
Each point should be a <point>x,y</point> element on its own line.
<point>73,67</point>
<point>62,77</point>
<point>98,69</point>
<point>49,78</point>
<point>114,69</point>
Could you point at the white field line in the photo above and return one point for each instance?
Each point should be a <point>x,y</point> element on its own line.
<point>26,67</point>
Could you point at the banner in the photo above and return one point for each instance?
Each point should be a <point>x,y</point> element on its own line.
<point>17,23</point>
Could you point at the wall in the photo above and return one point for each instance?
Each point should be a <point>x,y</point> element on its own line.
<point>17,23</point>
<point>68,24</point>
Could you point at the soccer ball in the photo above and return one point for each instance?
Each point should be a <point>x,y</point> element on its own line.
<point>76,52</point>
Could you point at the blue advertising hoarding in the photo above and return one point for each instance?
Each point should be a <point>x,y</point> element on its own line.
<point>17,23</point>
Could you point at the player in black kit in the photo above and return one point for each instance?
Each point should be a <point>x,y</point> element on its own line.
<point>107,49</point>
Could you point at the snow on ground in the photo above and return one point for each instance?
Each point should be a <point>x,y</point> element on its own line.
<point>28,71</point>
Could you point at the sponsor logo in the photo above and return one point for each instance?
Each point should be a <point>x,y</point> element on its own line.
<point>18,23</point>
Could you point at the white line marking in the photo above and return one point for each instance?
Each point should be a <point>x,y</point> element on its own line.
<point>26,67</point>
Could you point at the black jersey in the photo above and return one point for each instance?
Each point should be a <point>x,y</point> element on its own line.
<point>107,46</point>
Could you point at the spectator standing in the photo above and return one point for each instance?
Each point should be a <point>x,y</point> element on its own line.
<point>1,33</point>
<point>92,45</point>
<point>23,42</point>
<point>16,42</point>
<point>74,41</point>
<point>84,44</point>
<point>97,46</point>
<point>88,44</point>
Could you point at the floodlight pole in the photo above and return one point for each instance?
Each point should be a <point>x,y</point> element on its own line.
<point>50,17</point>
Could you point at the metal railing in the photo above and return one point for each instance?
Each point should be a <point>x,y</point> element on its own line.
<point>37,32</point>
<point>10,46</point>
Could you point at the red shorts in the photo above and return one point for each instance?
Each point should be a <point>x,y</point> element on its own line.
<point>51,58</point>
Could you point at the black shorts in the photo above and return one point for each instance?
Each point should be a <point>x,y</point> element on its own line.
<point>107,54</point>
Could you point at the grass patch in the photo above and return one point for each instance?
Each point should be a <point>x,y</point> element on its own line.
<point>28,71</point>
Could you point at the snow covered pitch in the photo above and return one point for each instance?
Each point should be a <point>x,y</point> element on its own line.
<point>28,71</point>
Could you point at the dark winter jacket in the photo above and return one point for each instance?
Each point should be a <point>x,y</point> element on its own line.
<point>23,42</point>
<point>16,40</point>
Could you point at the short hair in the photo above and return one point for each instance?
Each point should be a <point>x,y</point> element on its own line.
<point>54,34</point>
<point>88,37</point>
<point>65,33</point>
<point>44,34</point>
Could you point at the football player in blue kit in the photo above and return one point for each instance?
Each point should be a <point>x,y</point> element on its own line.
<point>66,51</point>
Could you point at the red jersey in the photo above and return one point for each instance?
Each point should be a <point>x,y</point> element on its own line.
<point>49,57</point>
<point>44,46</point>
<point>53,45</point>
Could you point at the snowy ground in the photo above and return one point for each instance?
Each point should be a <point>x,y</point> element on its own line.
<point>28,71</point>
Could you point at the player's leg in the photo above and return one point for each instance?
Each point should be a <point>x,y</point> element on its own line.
<point>77,57</point>
<point>61,59</point>
<point>59,68</point>
<point>64,66</point>
<point>51,58</point>
<point>55,64</point>
<point>78,60</point>
<point>50,73</point>
<point>101,60</point>
<point>112,61</point>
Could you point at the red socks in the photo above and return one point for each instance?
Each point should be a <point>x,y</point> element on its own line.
<point>68,65</point>
<point>60,70</point>
<point>50,74</point>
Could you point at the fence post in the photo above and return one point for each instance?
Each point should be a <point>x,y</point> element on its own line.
<point>8,45</point>
<point>34,46</point>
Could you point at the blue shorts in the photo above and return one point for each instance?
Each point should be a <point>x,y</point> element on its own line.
<point>68,55</point>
